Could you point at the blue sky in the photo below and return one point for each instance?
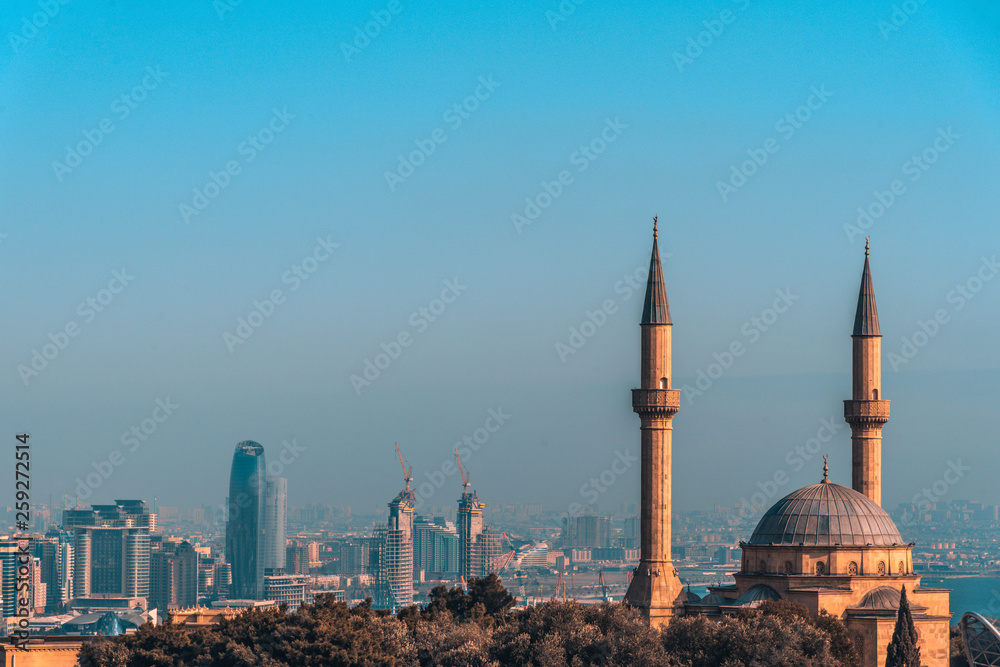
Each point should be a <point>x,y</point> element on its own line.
<point>683,116</point>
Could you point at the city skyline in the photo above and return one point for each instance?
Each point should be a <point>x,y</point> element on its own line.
<point>149,339</point>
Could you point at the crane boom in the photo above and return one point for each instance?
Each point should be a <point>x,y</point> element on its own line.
<point>461,471</point>
<point>407,472</point>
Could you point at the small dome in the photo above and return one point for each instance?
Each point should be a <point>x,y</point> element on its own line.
<point>883,597</point>
<point>692,597</point>
<point>826,514</point>
<point>756,595</point>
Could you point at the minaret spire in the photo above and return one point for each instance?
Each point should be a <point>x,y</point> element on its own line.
<point>655,588</point>
<point>866,316</point>
<point>655,309</point>
<point>865,412</point>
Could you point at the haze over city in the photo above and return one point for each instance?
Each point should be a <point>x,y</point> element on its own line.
<point>259,148</point>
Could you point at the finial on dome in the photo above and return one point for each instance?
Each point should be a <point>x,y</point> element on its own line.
<point>654,227</point>
<point>826,471</point>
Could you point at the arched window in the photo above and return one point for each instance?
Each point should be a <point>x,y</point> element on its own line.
<point>788,567</point>
<point>881,567</point>
<point>874,394</point>
<point>902,568</point>
<point>763,566</point>
<point>820,567</point>
<point>852,568</point>
<point>664,383</point>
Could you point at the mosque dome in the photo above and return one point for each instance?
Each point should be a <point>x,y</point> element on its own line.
<point>826,514</point>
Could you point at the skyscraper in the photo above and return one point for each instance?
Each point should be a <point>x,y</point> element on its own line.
<point>395,573</point>
<point>275,511</point>
<point>470,527</point>
<point>655,589</point>
<point>245,521</point>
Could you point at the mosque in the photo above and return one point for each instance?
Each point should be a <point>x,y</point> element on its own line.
<point>826,546</point>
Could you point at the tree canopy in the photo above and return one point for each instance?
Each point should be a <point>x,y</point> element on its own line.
<point>481,626</point>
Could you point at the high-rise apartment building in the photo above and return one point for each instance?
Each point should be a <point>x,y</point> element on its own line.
<point>435,545</point>
<point>55,553</point>
<point>174,576</point>
<point>394,578</point>
<point>111,549</point>
<point>586,532</point>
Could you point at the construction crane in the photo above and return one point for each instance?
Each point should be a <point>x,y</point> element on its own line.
<point>499,563</point>
<point>407,472</point>
<point>604,587</point>
<point>465,475</point>
<point>560,583</point>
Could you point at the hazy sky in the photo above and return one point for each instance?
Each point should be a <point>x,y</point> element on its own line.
<point>507,159</point>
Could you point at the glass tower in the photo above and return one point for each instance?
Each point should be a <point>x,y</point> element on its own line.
<point>275,509</point>
<point>245,524</point>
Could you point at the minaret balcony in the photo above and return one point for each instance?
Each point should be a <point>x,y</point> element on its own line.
<point>656,401</point>
<point>866,412</point>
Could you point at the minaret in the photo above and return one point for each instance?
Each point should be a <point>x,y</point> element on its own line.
<point>865,412</point>
<point>655,587</point>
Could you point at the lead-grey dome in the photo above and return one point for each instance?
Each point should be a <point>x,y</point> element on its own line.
<point>826,514</point>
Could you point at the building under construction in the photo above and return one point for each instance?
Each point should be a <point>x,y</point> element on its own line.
<point>479,546</point>
<point>394,577</point>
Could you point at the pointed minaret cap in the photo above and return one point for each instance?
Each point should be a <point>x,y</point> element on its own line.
<point>866,317</point>
<point>655,309</point>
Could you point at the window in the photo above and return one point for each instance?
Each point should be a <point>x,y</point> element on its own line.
<point>788,567</point>
<point>874,394</point>
<point>902,568</point>
<point>664,383</point>
<point>881,567</point>
<point>763,566</point>
<point>852,568</point>
<point>820,568</point>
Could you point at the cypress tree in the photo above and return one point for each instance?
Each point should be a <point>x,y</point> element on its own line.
<point>903,650</point>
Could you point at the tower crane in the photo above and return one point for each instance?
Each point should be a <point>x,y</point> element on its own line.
<point>604,587</point>
<point>465,475</point>
<point>407,472</point>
